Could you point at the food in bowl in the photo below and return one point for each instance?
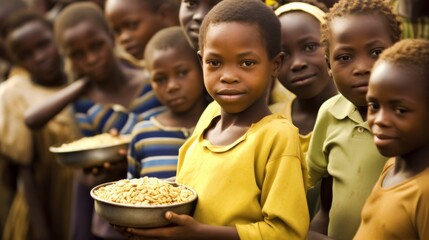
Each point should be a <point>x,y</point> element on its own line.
<point>91,151</point>
<point>144,192</point>
<point>97,141</point>
<point>142,203</point>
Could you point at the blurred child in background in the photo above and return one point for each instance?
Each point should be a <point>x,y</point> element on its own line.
<point>398,103</point>
<point>246,166</point>
<point>41,209</point>
<point>304,71</point>
<point>134,22</point>
<point>177,81</point>
<point>191,16</point>
<point>355,33</point>
<point>108,96</point>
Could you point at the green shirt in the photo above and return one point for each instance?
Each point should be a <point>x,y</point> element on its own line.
<point>343,147</point>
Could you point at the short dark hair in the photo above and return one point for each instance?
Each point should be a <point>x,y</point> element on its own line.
<point>154,5</point>
<point>252,12</point>
<point>410,53</point>
<point>76,13</point>
<point>22,17</point>
<point>361,7</point>
<point>171,37</point>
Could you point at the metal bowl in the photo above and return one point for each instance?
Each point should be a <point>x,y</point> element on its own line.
<point>86,158</point>
<point>127,215</point>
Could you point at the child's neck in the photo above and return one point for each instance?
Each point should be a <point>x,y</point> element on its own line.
<point>304,111</point>
<point>363,110</point>
<point>115,79</point>
<point>186,120</point>
<point>231,126</point>
<point>412,163</point>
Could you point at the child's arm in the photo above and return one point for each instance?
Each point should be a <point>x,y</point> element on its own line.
<point>37,116</point>
<point>35,207</point>
<point>320,222</point>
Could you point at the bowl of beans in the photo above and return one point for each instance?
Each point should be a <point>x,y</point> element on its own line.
<point>142,202</point>
<point>91,151</point>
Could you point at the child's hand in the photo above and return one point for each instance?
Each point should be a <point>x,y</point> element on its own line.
<point>186,228</point>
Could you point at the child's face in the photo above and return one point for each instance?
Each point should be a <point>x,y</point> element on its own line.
<point>32,47</point>
<point>355,43</point>
<point>176,78</point>
<point>398,109</point>
<point>191,15</point>
<point>304,71</point>
<point>90,49</point>
<point>236,67</point>
<point>133,25</point>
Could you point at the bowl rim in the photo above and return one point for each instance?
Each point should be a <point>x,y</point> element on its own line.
<point>95,197</point>
<point>56,148</point>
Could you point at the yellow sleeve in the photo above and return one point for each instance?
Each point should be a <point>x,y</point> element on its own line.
<point>283,195</point>
<point>16,139</point>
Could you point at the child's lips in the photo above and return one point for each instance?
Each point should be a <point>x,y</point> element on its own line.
<point>230,94</point>
<point>302,79</point>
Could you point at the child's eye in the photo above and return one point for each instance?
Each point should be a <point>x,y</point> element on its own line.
<point>343,58</point>
<point>189,3</point>
<point>213,63</point>
<point>182,72</point>
<point>400,110</point>
<point>133,25</point>
<point>311,47</point>
<point>159,79</point>
<point>287,54</point>
<point>372,107</point>
<point>247,63</point>
<point>376,52</point>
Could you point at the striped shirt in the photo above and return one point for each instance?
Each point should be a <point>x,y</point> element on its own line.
<point>95,118</point>
<point>154,149</point>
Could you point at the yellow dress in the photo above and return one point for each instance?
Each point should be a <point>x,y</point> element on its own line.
<point>30,148</point>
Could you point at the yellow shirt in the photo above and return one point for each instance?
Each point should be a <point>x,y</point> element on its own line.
<point>397,212</point>
<point>256,184</point>
<point>343,147</point>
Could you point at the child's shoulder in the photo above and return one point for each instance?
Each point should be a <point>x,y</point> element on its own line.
<point>275,124</point>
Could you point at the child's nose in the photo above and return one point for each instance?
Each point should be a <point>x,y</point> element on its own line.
<point>173,86</point>
<point>91,58</point>
<point>362,68</point>
<point>298,63</point>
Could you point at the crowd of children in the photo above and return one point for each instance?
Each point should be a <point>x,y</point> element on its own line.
<point>290,119</point>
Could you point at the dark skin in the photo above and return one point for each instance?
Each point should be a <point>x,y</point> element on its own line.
<point>176,72</point>
<point>31,46</point>
<point>304,72</point>
<point>243,104</point>
<point>397,116</point>
<point>354,45</point>
<point>105,80</point>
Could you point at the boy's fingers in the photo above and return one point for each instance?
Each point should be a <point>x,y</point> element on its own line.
<point>106,165</point>
<point>122,152</point>
<point>114,132</point>
<point>175,218</point>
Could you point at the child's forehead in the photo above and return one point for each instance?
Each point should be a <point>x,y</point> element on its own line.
<point>346,27</point>
<point>83,30</point>
<point>29,29</point>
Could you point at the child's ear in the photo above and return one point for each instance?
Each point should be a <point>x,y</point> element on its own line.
<point>327,62</point>
<point>278,63</point>
<point>200,57</point>
<point>329,66</point>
